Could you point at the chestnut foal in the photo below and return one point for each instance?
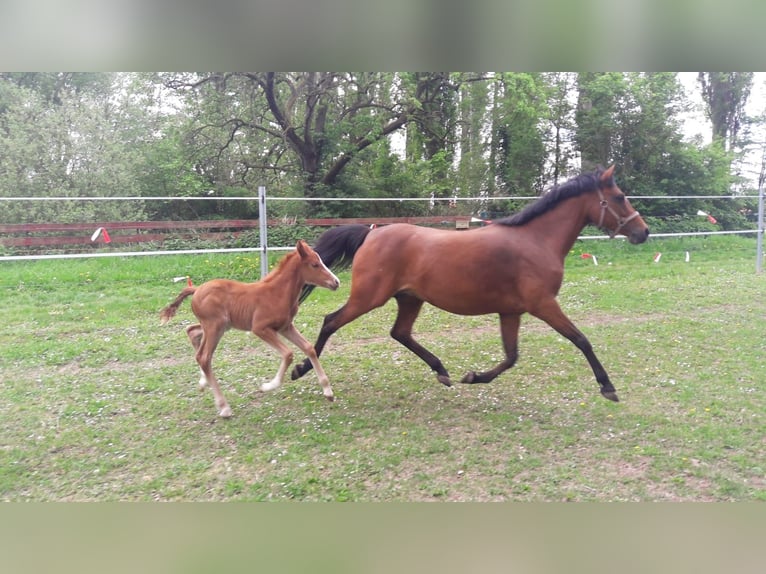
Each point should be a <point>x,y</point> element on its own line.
<point>266,307</point>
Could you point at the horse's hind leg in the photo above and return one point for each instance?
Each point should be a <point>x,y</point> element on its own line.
<point>552,314</point>
<point>409,308</point>
<point>206,346</point>
<point>194,332</point>
<point>509,330</point>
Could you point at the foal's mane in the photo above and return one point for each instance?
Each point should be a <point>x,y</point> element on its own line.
<point>282,263</point>
<point>572,188</point>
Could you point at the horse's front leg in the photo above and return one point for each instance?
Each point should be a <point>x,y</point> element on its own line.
<point>509,330</point>
<point>300,341</point>
<point>271,338</point>
<point>367,293</point>
<point>552,314</point>
<point>354,307</point>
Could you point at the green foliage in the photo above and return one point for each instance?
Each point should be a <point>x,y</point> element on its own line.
<point>167,171</point>
<point>521,151</point>
<point>81,141</point>
<point>348,135</point>
<point>598,97</point>
<point>632,120</point>
<point>725,95</point>
<point>679,224</point>
<point>279,236</point>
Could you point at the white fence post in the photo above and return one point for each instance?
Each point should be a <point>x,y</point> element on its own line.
<point>759,261</point>
<point>263,223</point>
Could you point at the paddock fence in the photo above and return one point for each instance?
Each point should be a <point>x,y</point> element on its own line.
<point>36,241</point>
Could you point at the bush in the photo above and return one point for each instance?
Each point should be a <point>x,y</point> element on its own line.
<point>279,236</point>
<point>728,221</point>
<point>680,224</point>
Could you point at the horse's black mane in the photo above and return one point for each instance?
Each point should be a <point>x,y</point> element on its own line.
<point>571,188</point>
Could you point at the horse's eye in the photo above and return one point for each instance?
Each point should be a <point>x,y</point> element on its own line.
<point>619,198</point>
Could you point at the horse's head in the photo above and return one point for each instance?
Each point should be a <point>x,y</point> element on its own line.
<point>614,213</point>
<point>313,270</point>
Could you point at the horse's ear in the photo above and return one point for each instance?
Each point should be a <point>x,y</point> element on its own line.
<point>302,248</point>
<point>608,173</point>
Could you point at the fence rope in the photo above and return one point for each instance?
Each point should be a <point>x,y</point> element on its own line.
<point>322,199</point>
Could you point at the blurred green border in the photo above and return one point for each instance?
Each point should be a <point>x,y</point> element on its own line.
<point>382,538</point>
<point>669,35</point>
<point>397,35</point>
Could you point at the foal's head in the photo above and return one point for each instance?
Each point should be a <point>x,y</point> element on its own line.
<point>614,212</point>
<point>313,270</point>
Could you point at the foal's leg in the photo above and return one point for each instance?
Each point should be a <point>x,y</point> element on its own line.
<point>194,332</point>
<point>551,313</point>
<point>271,338</point>
<point>300,341</point>
<point>409,308</point>
<point>509,330</point>
<point>206,345</point>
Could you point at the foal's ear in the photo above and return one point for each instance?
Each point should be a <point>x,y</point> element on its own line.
<point>302,248</point>
<point>608,173</point>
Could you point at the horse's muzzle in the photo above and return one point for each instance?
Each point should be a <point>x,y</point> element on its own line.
<point>639,236</point>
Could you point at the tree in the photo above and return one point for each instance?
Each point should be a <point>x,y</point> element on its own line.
<point>725,95</point>
<point>307,126</point>
<point>598,97</point>
<point>474,176</point>
<point>77,135</point>
<point>646,126</point>
<point>56,87</point>
<point>519,141</point>
<point>322,134</point>
<point>561,125</point>
<point>632,120</point>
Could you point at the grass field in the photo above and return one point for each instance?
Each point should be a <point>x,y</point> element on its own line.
<point>99,403</point>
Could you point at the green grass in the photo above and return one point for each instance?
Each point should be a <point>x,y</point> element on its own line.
<point>100,403</point>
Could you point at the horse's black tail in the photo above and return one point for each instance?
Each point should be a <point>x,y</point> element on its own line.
<point>337,247</point>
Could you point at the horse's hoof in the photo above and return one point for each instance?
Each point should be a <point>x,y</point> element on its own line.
<point>296,373</point>
<point>330,398</point>
<point>468,378</point>
<point>444,380</point>
<point>611,395</point>
<point>225,412</point>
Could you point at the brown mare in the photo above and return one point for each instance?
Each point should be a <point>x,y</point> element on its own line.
<point>267,308</point>
<point>511,267</point>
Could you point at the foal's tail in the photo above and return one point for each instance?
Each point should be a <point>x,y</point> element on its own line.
<point>170,311</point>
<point>337,247</point>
